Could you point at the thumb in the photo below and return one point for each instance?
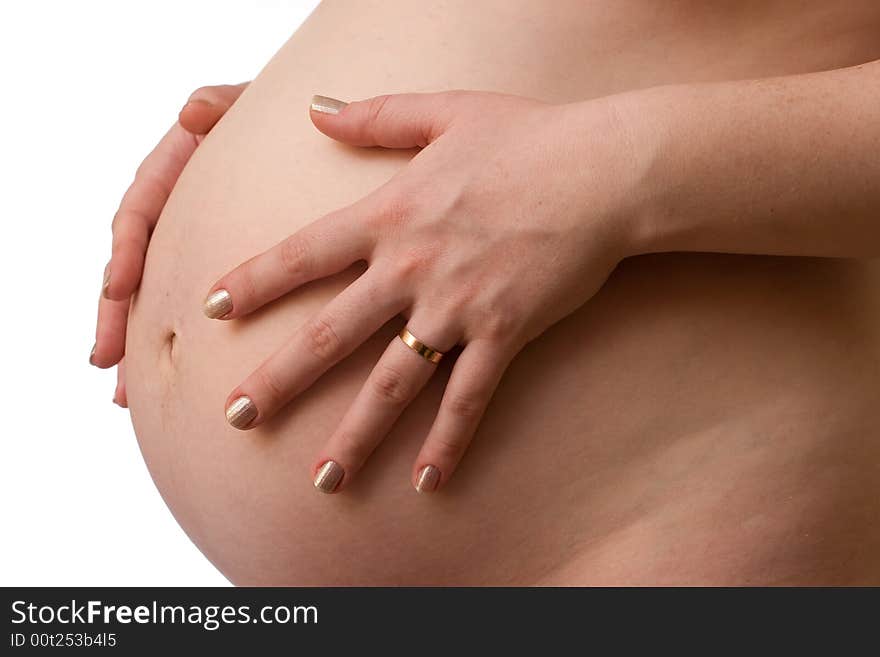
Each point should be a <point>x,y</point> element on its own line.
<point>207,105</point>
<point>392,121</point>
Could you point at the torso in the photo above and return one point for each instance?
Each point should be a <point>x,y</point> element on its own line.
<point>706,418</point>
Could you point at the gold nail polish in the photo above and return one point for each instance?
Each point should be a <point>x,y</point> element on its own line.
<point>327,105</point>
<point>329,476</point>
<point>105,286</point>
<point>429,477</point>
<point>241,412</point>
<point>92,355</point>
<point>218,304</point>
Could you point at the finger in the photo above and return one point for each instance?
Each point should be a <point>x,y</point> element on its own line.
<point>140,209</point>
<point>474,379</point>
<point>207,105</point>
<point>110,334</point>
<point>322,248</point>
<point>325,339</point>
<point>393,383</point>
<point>119,396</point>
<point>393,121</point>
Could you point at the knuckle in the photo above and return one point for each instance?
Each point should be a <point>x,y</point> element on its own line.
<point>295,257</point>
<point>376,110</point>
<point>154,184</point>
<point>322,341</point>
<point>124,242</point>
<point>413,264</point>
<point>394,210</point>
<point>501,325</point>
<point>150,181</point>
<point>128,222</point>
<point>466,406</point>
<point>468,291</point>
<point>390,386</point>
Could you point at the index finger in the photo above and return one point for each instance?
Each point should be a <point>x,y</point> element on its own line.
<point>140,209</point>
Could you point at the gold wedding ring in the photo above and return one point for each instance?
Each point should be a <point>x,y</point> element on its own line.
<point>423,350</point>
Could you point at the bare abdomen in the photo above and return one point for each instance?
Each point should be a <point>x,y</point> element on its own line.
<point>705,419</point>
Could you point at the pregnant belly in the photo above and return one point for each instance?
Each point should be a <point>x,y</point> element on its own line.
<point>705,419</point>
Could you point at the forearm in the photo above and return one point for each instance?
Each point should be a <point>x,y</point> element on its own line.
<point>782,166</point>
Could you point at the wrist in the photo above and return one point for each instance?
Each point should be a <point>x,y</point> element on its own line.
<point>645,125</point>
<point>614,149</point>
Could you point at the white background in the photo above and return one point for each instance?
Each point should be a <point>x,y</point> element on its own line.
<point>87,89</point>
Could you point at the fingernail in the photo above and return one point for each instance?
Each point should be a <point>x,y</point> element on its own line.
<point>241,412</point>
<point>327,105</point>
<point>94,347</point>
<point>329,476</point>
<point>218,304</point>
<point>106,285</point>
<point>429,477</point>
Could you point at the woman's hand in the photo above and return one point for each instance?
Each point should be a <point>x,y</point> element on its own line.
<point>510,217</point>
<point>138,214</point>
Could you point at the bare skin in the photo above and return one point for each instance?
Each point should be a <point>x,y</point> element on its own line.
<point>137,216</point>
<point>724,403</point>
